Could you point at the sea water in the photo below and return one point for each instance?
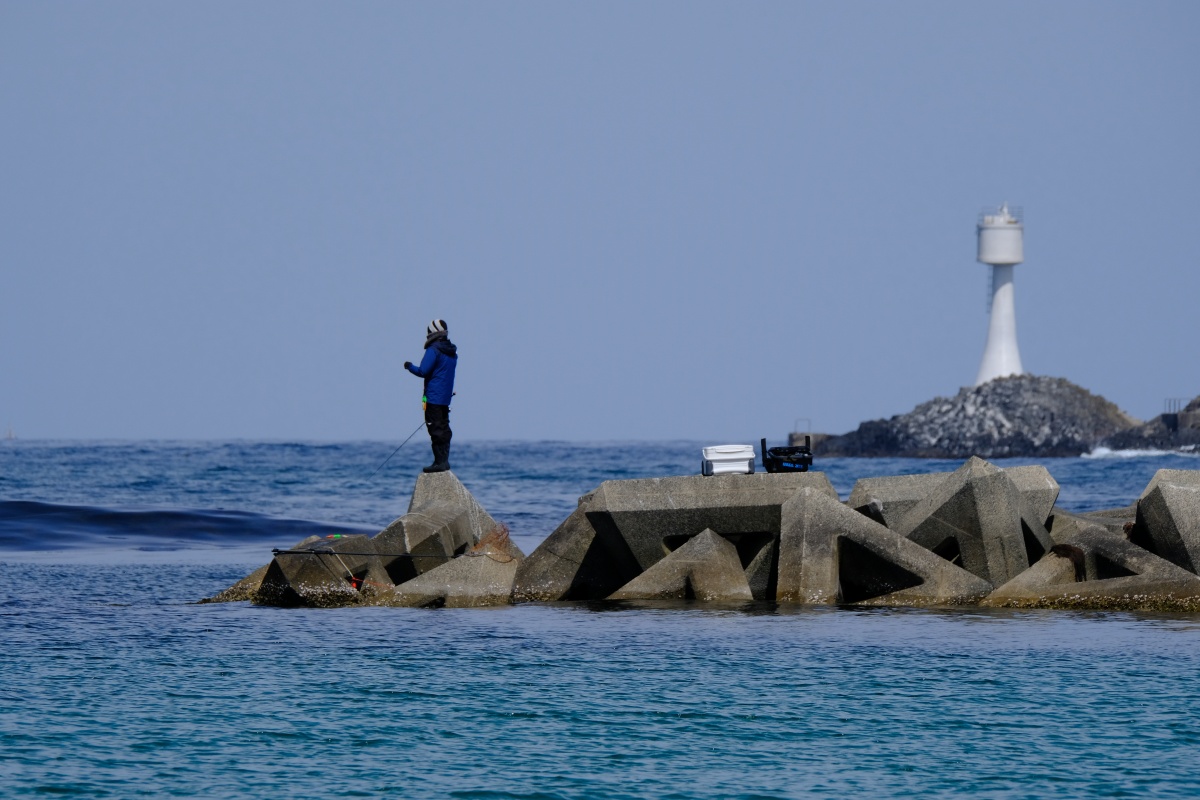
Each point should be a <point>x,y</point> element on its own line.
<point>116,684</point>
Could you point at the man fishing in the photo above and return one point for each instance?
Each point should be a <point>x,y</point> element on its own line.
<point>437,368</point>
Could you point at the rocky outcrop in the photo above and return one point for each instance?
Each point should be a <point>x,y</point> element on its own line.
<point>1018,416</point>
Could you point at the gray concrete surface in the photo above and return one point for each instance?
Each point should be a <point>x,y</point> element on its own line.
<point>888,498</point>
<point>975,518</point>
<point>829,553</point>
<point>1110,572</point>
<point>482,577</point>
<point>1168,516</point>
<point>445,487</point>
<point>706,567</point>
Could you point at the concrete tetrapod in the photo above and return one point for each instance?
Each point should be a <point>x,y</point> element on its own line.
<point>829,553</point>
<point>248,587</point>
<point>1179,477</point>
<point>445,488</point>
<point>325,573</point>
<point>638,521</point>
<point>424,539</point>
<point>481,577</point>
<point>1061,566</point>
<point>978,517</point>
<point>706,567</point>
<point>566,565</point>
<point>245,589</point>
<point>1039,492</point>
<point>625,527</point>
<point>1168,517</point>
<point>444,520</point>
<point>1115,520</point>
<point>887,499</point>
<point>1091,567</point>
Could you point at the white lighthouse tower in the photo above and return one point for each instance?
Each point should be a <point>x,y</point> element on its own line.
<point>1001,246</point>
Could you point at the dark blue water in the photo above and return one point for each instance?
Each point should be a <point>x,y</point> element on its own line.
<point>117,685</point>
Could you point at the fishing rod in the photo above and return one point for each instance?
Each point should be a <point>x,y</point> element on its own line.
<point>397,450</point>
<point>278,552</point>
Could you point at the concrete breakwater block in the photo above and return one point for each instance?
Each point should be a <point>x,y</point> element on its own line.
<point>566,565</point>
<point>980,534</point>
<point>1178,477</point>
<point>830,554</point>
<point>483,576</point>
<point>444,488</point>
<point>1091,567</point>
<point>424,539</point>
<point>978,518</point>
<point>325,573</point>
<point>887,499</point>
<point>1114,520</point>
<point>642,513</point>
<point>623,528</point>
<point>1038,489</point>
<point>444,520</point>
<point>1060,567</point>
<point>1168,517</point>
<point>705,567</point>
<point>245,589</point>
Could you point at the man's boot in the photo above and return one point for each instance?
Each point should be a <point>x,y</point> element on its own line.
<point>441,458</point>
<point>434,466</point>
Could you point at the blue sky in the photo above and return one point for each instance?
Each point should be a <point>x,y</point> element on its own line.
<point>641,220</point>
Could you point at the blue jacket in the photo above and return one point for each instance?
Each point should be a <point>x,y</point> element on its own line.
<point>437,368</point>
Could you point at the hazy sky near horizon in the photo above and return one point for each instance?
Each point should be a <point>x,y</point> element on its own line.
<point>657,220</point>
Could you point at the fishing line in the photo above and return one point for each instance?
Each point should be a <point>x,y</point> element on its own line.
<point>339,553</point>
<point>397,450</point>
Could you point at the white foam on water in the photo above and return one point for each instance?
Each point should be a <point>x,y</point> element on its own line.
<point>1104,452</point>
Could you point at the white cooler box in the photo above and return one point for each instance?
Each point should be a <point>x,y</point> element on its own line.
<point>725,459</point>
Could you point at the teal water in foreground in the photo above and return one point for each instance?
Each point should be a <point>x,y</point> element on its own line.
<point>118,685</point>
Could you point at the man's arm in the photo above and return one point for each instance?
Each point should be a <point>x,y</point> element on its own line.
<point>427,363</point>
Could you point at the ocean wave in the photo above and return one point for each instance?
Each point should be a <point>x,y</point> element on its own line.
<point>27,526</point>
<point>1104,452</point>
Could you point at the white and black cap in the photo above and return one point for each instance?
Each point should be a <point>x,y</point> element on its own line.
<point>435,331</point>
